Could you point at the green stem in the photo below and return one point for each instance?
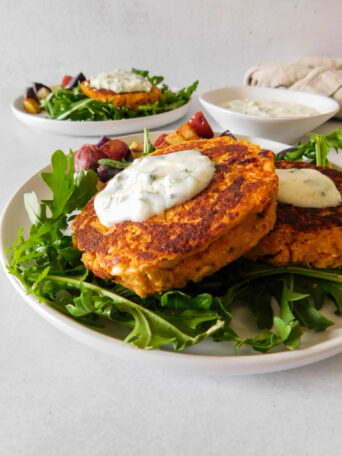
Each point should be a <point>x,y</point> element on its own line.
<point>76,283</point>
<point>113,163</point>
<point>318,151</point>
<point>79,104</point>
<point>317,273</point>
<point>148,147</point>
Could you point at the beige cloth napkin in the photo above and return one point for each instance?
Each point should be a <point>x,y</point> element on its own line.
<point>310,74</point>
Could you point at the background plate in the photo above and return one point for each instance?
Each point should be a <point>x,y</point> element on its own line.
<point>209,357</point>
<point>95,128</point>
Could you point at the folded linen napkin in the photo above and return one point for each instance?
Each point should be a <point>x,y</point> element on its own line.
<point>321,75</point>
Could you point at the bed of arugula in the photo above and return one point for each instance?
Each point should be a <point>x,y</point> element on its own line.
<point>73,104</point>
<point>51,269</point>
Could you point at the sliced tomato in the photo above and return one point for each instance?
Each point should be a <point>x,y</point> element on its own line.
<point>66,79</point>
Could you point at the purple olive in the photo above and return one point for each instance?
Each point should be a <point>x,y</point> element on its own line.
<point>30,93</point>
<point>41,90</point>
<point>75,80</point>
<point>228,133</point>
<point>107,172</point>
<point>102,141</point>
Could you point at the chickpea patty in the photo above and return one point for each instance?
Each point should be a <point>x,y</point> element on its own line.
<point>301,235</point>
<point>193,239</point>
<point>131,99</point>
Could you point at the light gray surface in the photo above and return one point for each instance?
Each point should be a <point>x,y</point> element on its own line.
<point>59,397</point>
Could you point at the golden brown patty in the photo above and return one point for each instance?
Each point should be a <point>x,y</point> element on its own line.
<point>308,236</point>
<point>195,238</point>
<point>131,99</point>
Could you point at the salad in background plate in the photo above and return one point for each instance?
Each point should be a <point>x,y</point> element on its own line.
<point>107,96</point>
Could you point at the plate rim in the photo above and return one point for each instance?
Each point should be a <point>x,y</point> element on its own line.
<point>184,362</point>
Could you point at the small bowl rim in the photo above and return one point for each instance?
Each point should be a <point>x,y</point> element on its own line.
<point>271,90</point>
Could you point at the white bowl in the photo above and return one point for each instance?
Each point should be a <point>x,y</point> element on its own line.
<point>283,129</point>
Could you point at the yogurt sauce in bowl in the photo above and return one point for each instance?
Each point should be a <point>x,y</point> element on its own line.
<point>269,108</point>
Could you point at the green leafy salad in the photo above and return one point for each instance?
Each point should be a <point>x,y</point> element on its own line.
<point>282,302</point>
<point>73,104</point>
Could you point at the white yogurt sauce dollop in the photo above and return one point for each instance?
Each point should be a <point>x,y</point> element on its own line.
<point>120,81</point>
<point>269,108</point>
<point>307,188</point>
<point>152,184</point>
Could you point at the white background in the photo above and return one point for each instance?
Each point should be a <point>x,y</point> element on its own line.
<point>214,41</point>
<point>58,397</point>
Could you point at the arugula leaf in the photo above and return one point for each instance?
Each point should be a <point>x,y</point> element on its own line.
<point>263,342</point>
<point>47,246</point>
<point>309,317</point>
<point>334,291</point>
<point>259,302</point>
<point>286,325</point>
<point>33,208</point>
<point>315,150</point>
<point>179,300</point>
<point>155,80</point>
<point>150,329</point>
<point>69,194</point>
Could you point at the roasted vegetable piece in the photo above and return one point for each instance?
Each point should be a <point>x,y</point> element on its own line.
<point>29,93</point>
<point>184,133</point>
<point>228,133</point>
<point>87,157</point>
<point>136,149</point>
<point>187,132</point>
<point>41,90</point>
<point>159,140</point>
<point>75,80</point>
<point>115,149</point>
<point>197,127</point>
<point>106,172</point>
<point>102,141</point>
<point>200,124</point>
<point>31,106</point>
<point>66,79</point>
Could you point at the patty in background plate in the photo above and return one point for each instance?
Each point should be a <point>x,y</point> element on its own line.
<point>131,99</point>
<point>194,239</point>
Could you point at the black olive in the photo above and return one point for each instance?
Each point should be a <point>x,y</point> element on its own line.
<point>30,93</point>
<point>228,133</point>
<point>284,152</point>
<point>107,172</point>
<point>75,80</point>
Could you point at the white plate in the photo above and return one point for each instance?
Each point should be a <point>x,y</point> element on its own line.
<point>95,128</point>
<point>207,357</point>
